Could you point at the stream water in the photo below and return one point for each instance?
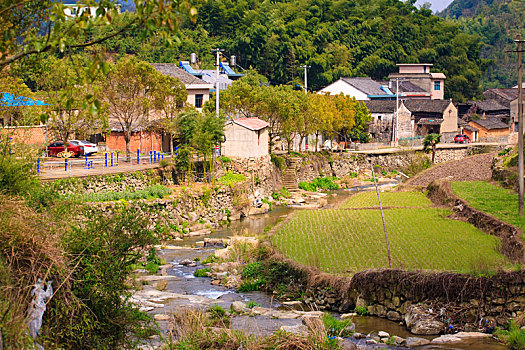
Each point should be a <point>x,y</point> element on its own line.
<point>199,292</point>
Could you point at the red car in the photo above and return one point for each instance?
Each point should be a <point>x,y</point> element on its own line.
<point>56,149</point>
<point>461,139</point>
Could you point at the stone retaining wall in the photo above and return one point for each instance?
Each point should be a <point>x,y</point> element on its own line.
<point>425,302</point>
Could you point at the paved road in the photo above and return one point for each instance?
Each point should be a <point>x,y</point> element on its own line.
<point>472,168</point>
<point>58,171</point>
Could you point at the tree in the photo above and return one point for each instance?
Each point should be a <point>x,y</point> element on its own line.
<point>210,131</point>
<point>29,27</point>
<point>18,114</point>
<point>129,95</point>
<point>169,96</point>
<point>70,110</point>
<point>429,144</point>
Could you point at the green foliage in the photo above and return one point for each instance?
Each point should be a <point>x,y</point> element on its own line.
<point>231,179</point>
<point>344,241</point>
<point>491,199</point>
<point>513,336</point>
<point>105,249</point>
<point>504,151</point>
<point>251,304</point>
<point>323,183</point>
<point>16,169</point>
<point>278,161</point>
<point>284,192</point>
<point>362,311</point>
<point>209,259</point>
<point>336,327</point>
<point>253,277</point>
<point>225,160</point>
<point>202,272</point>
<point>155,191</point>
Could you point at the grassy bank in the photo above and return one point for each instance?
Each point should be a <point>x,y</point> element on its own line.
<point>491,199</point>
<point>345,241</point>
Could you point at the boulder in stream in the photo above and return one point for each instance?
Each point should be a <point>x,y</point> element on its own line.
<point>420,320</point>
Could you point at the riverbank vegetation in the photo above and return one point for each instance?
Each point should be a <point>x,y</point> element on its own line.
<point>85,255</point>
<point>345,241</point>
<point>491,199</point>
<point>198,330</point>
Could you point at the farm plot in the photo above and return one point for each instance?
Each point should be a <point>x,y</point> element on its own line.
<point>491,199</point>
<point>388,199</point>
<point>346,241</point>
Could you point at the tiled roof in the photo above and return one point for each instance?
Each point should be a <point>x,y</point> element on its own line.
<point>489,105</point>
<point>252,123</point>
<point>172,70</point>
<point>509,94</point>
<point>366,85</point>
<point>427,106</point>
<point>490,123</point>
<point>430,121</point>
<point>470,128</point>
<point>406,86</point>
<point>381,106</point>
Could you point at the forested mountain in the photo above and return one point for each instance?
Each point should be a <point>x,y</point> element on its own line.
<point>336,37</point>
<point>497,23</point>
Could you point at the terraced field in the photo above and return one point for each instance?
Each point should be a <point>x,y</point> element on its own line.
<point>388,199</point>
<point>345,241</point>
<point>491,199</point>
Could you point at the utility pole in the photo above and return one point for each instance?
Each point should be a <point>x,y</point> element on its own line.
<point>382,217</point>
<point>218,52</point>
<point>306,77</point>
<point>521,182</point>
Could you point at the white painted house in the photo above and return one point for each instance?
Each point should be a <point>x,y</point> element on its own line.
<point>245,138</point>
<point>362,89</point>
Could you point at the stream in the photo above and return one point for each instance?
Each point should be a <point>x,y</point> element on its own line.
<point>188,290</point>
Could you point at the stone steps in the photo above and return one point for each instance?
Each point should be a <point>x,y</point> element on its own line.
<point>290,176</point>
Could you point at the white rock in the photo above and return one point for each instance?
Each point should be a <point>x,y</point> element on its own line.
<point>349,315</point>
<point>161,317</point>
<point>292,303</point>
<point>383,334</point>
<point>239,306</point>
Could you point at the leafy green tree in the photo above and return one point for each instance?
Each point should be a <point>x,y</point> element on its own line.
<point>29,27</point>
<point>129,95</point>
<point>169,97</point>
<point>429,144</point>
<point>16,115</point>
<point>70,111</point>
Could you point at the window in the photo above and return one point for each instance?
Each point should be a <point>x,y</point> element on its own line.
<point>198,101</point>
<point>437,85</point>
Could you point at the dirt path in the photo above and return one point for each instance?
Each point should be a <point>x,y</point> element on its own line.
<point>473,168</point>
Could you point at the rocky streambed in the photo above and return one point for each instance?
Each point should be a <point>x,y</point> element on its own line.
<point>259,313</point>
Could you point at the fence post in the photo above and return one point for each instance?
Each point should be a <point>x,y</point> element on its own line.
<point>155,160</point>
<point>117,158</point>
<point>38,165</point>
<point>86,160</point>
<point>106,159</point>
<point>138,156</point>
<point>112,159</point>
<point>162,155</point>
<point>150,157</point>
<point>65,164</point>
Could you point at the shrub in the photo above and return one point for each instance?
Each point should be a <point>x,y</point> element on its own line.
<point>284,192</point>
<point>278,161</point>
<point>100,316</point>
<point>361,310</point>
<point>251,304</point>
<point>209,259</point>
<point>202,272</point>
<point>513,336</point>
<point>324,183</point>
<point>252,270</point>
<point>155,191</point>
<point>225,159</point>
<point>230,179</point>
<point>336,327</point>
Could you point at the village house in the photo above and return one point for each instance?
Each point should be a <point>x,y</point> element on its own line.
<point>382,113</point>
<point>431,117</point>
<point>419,75</point>
<point>245,138</point>
<point>361,89</point>
<point>198,90</point>
<point>490,130</point>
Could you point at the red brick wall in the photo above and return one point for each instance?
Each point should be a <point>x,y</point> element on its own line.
<point>29,135</point>
<point>145,141</point>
